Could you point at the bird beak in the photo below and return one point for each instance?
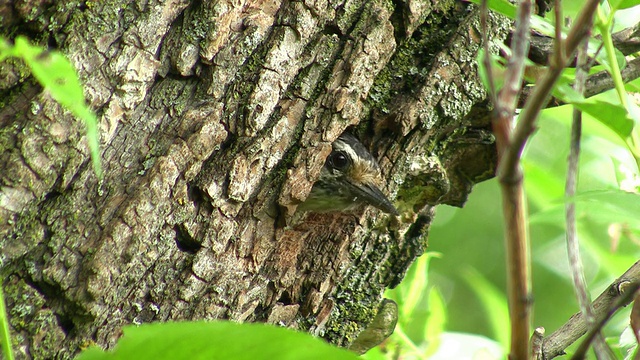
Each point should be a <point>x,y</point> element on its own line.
<point>373,196</point>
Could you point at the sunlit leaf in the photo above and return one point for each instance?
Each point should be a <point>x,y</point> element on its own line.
<point>624,4</point>
<point>494,303</point>
<point>416,288</point>
<point>5,331</point>
<point>497,71</point>
<point>627,343</point>
<point>435,322</point>
<point>614,116</point>
<point>216,340</point>
<point>56,74</point>
<point>635,317</point>
<point>373,354</point>
<point>455,345</point>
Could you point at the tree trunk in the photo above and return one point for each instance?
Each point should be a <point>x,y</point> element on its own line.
<point>215,120</point>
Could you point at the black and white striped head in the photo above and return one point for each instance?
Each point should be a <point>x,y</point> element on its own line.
<point>349,178</point>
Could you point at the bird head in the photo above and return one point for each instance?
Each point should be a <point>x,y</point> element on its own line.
<point>349,178</point>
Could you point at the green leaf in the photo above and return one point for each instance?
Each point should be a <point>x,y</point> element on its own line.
<point>437,314</point>
<point>416,288</point>
<point>624,4</point>
<point>56,74</point>
<point>435,322</point>
<point>456,345</point>
<point>494,303</point>
<point>614,116</point>
<point>411,291</point>
<point>596,245</point>
<point>543,185</point>
<point>611,206</point>
<point>603,57</point>
<point>5,334</point>
<point>482,70</point>
<point>373,354</point>
<point>217,340</point>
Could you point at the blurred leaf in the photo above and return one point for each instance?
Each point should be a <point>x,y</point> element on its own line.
<point>603,58</point>
<point>416,288</point>
<point>564,91</point>
<point>497,70</point>
<point>404,345</point>
<point>633,86</point>
<point>373,354</point>
<point>494,303</point>
<point>614,116</point>
<point>542,185</point>
<point>53,71</point>
<point>412,290</point>
<point>216,340</point>
<point>627,343</point>
<point>414,311</point>
<point>608,206</point>
<point>467,346</point>
<point>596,244</point>
<point>5,332</point>
<point>624,4</point>
<point>500,6</point>
<point>56,74</point>
<point>611,206</point>
<point>635,318</point>
<point>435,322</point>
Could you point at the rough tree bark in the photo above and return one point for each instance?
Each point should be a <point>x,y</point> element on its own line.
<point>215,119</point>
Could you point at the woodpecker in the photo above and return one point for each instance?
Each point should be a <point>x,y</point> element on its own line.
<point>349,178</point>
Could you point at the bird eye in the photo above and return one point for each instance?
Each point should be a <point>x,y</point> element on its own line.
<point>339,160</point>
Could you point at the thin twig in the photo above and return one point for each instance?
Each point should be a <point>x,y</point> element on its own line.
<point>573,247</point>
<point>576,326</point>
<point>509,173</point>
<point>537,339</point>
<point>558,55</point>
<point>627,41</point>
<point>519,283</point>
<point>508,96</point>
<point>629,293</point>
<point>486,59</point>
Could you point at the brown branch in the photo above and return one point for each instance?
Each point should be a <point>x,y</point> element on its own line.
<point>602,81</point>
<point>508,95</point>
<point>516,237</point>
<point>595,84</point>
<point>576,326</point>
<point>627,41</point>
<point>509,173</point>
<point>537,339</point>
<point>630,291</point>
<point>508,166</point>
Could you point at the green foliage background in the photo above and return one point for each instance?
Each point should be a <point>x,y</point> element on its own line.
<point>469,271</point>
<point>469,275</point>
